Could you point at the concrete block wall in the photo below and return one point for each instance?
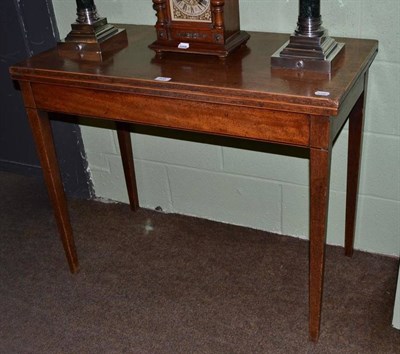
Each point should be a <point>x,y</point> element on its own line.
<point>260,189</point>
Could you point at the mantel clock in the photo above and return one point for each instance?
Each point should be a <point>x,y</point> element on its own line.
<point>198,26</point>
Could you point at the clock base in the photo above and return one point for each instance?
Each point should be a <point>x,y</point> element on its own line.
<point>220,50</point>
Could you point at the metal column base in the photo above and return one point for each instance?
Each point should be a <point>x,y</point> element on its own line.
<point>308,53</point>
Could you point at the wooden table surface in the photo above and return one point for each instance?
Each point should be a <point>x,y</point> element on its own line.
<point>240,97</point>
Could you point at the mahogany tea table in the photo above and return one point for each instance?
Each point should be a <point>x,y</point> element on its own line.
<point>239,97</point>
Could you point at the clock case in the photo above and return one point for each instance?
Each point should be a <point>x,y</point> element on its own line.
<point>218,37</point>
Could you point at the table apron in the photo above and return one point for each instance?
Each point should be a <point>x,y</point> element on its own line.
<point>212,118</point>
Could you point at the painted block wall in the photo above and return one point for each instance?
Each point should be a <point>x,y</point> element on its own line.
<point>264,190</point>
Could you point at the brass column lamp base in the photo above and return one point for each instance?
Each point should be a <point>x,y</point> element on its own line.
<point>309,48</point>
<point>92,38</point>
<point>308,53</point>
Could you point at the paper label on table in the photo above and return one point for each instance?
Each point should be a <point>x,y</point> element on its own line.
<point>183,45</point>
<point>322,93</point>
<point>163,78</point>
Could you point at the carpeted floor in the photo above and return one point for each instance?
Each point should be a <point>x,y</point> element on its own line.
<point>157,283</point>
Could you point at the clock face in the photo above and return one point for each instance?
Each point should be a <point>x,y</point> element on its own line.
<point>191,10</point>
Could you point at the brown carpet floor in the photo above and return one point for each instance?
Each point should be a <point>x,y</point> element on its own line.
<point>157,283</point>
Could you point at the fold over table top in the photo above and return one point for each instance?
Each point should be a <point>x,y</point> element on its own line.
<point>245,78</point>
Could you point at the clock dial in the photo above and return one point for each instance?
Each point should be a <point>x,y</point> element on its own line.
<point>191,10</point>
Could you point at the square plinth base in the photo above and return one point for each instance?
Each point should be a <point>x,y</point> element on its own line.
<point>93,49</point>
<point>307,64</point>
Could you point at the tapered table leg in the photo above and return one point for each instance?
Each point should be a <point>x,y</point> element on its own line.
<point>125,145</point>
<point>320,161</point>
<point>43,137</point>
<point>356,119</point>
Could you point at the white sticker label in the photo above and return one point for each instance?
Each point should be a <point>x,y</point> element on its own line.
<point>163,78</point>
<point>183,45</point>
<point>322,93</point>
